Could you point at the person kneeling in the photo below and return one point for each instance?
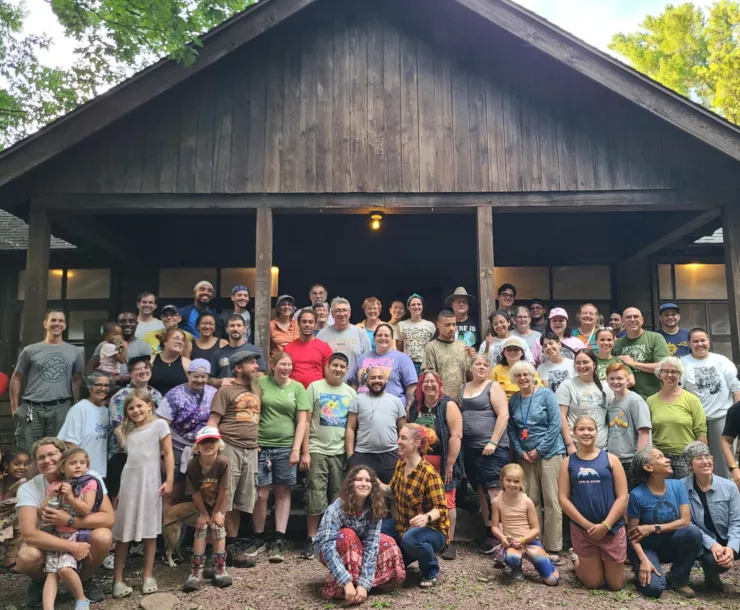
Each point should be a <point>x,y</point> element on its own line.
<point>208,479</point>
<point>515,525</point>
<point>350,544</point>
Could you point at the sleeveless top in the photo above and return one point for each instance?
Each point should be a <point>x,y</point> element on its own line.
<point>208,354</point>
<point>167,376</point>
<point>479,419</point>
<point>592,488</point>
<point>514,520</point>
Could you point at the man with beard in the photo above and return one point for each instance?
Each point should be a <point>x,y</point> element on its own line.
<point>52,372</point>
<point>203,295</point>
<point>373,424</point>
<point>240,298</point>
<point>676,337</point>
<point>235,411</point>
<point>467,331</point>
<point>538,310</point>
<point>128,323</point>
<point>146,303</point>
<point>447,355</point>
<point>309,354</point>
<point>235,330</point>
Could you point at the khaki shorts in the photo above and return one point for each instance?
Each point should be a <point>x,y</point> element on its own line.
<point>324,481</point>
<point>243,463</point>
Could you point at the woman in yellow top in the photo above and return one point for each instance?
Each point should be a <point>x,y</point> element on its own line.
<point>512,352</point>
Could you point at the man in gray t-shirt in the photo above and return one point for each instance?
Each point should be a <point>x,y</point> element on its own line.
<point>373,424</point>
<point>344,337</point>
<point>52,372</point>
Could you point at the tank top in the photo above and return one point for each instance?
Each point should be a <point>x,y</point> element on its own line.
<point>592,488</point>
<point>514,520</point>
<point>208,354</point>
<point>479,419</point>
<point>166,376</point>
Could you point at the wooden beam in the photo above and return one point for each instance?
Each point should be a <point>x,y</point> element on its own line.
<point>672,237</point>
<point>83,231</point>
<point>262,288</point>
<point>731,232</point>
<point>581,201</point>
<point>609,72</point>
<point>146,85</point>
<point>9,319</point>
<point>486,286</point>
<point>37,274</point>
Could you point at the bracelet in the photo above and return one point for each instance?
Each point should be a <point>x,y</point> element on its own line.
<point>524,540</point>
<point>297,450</point>
<point>571,443</point>
<point>494,443</point>
<point>606,525</point>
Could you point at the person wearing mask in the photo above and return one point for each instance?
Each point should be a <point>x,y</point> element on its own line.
<point>447,355</point>
<point>715,510</point>
<point>240,298</point>
<point>283,328</point>
<point>372,308</point>
<point>587,320</point>
<point>459,302</point>
<point>506,294</point>
<point>712,378</point>
<point>615,321</point>
<point>235,328</point>
<point>206,346</point>
<point>146,304</point>
<point>170,366</point>
<point>522,330</point>
<point>677,415</point>
<point>309,354</point>
<point>641,350</point>
<point>676,337</point>
<point>202,296</point>
<point>342,336</point>
<point>538,309</point>
<point>499,333</point>
<point>322,315</point>
<point>659,527</point>
<point>555,368</point>
<point>171,319</point>
<point>412,335</point>
<point>605,345</point>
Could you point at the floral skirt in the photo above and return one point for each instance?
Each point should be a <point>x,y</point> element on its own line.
<point>389,569</point>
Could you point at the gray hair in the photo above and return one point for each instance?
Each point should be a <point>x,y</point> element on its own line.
<point>520,367</point>
<point>339,301</point>
<point>642,457</point>
<point>675,362</point>
<point>94,376</point>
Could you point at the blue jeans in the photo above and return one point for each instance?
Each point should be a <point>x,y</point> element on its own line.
<point>679,548</point>
<point>418,544</point>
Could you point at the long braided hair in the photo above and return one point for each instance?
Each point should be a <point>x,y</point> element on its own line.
<point>591,356</point>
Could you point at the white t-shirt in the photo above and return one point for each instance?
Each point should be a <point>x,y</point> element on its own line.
<point>33,492</point>
<point>497,346</point>
<point>87,426</point>
<point>553,374</point>
<point>586,399</point>
<point>415,336</point>
<point>713,380</point>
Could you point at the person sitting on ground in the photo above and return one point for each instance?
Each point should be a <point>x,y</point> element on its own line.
<point>659,527</point>
<point>515,525</point>
<point>715,510</point>
<point>421,527</point>
<point>592,489</point>
<point>13,468</point>
<point>555,368</point>
<point>349,541</point>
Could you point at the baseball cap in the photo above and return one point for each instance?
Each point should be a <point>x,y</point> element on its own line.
<point>200,365</point>
<point>513,342</point>
<point>239,288</point>
<point>172,308</point>
<point>207,432</point>
<point>284,297</point>
<point>665,306</point>
<point>558,311</point>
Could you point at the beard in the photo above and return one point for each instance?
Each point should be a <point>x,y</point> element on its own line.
<point>376,392</point>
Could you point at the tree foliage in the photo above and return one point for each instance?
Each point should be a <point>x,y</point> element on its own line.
<point>692,51</point>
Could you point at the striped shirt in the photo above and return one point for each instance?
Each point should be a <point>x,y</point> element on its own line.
<point>142,328</point>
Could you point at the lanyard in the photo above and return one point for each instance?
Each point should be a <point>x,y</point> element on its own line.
<point>525,418</point>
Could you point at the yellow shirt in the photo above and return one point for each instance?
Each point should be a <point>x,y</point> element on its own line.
<point>500,373</point>
<point>152,338</point>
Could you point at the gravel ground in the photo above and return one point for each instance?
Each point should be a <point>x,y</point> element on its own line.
<point>467,583</point>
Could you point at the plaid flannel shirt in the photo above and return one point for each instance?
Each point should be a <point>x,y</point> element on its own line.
<point>420,492</point>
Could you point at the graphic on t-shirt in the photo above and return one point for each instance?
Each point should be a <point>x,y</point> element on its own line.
<point>54,368</point>
<point>618,423</point>
<point>588,475</point>
<point>557,376</point>
<point>664,512</point>
<point>101,431</point>
<point>334,409</point>
<point>247,408</point>
<point>386,364</point>
<point>707,379</point>
<point>209,490</point>
<point>414,339</point>
<point>638,352</point>
<point>466,336</point>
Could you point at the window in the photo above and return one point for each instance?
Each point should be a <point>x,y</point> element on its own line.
<point>85,325</point>
<point>589,283</point>
<point>719,318</point>
<point>247,276</point>
<point>88,283</point>
<point>665,282</point>
<point>700,281</point>
<point>179,283</point>
<point>530,282</point>
<point>693,314</point>
<point>53,286</point>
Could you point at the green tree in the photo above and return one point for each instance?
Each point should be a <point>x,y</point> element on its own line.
<point>692,51</point>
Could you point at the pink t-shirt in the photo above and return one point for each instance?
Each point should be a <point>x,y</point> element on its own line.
<point>109,359</point>
<point>53,490</point>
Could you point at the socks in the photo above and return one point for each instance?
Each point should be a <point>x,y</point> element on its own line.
<point>230,541</point>
<point>279,536</point>
<point>258,538</point>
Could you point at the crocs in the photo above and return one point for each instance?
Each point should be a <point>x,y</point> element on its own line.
<point>121,589</point>
<point>149,586</point>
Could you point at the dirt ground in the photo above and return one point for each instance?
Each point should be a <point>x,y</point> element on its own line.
<point>469,582</point>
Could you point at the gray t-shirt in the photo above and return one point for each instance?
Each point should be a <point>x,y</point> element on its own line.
<point>376,422</point>
<point>586,399</point>
<point>48,370</point>
<point>626,416</point>
<point>352,342</point>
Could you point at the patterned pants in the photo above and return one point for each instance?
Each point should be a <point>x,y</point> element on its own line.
<point>536,553</point>
<point>55,560</point>
<point>389,568</point>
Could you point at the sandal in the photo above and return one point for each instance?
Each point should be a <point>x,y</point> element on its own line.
<point>428,583</point>
<point>149,586</point>
<point>121,589</point>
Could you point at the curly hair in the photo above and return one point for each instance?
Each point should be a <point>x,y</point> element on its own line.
<point>167,333</point>
<point>377,497</point>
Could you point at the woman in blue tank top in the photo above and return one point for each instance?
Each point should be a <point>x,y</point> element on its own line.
<point>593,492</point>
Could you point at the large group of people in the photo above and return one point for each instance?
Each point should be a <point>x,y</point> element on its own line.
<point>614,441</point>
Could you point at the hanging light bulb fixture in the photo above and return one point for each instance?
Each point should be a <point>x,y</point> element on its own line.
<point>375,220</point>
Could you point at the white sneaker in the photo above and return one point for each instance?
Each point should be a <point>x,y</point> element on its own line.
<point>108,562</point>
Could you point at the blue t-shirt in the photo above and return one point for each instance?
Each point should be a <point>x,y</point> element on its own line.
<point>592,488</point>
<point>678,344</point>
<point>399,371</point>
<point>651,509</point>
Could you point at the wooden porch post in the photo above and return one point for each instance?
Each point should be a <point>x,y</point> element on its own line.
<point>37,274</point>
<point>262,307</point>
<point>486,286</point>
<point>731,232</point>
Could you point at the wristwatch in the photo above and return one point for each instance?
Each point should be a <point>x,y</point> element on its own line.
<point>733,467</point>
<point>657,529</point>
<point>429,518</point>
<point>71,521</point>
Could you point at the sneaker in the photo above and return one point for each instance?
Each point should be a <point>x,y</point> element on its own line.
<point>136,550</point>
<point>713,582</point>
<point>34,594</point>
<point>82,604</point>
<point>498,559</point>
<point>255,549</point>
<point>221,577</point>
<point>450,552</point>
<point>685,590</point>
<point>237,557</point>
<point>489,545</point>
<point>276,552</point>
<point>108,562</point>
<point>517,575</point>
<point>554,558</point>
<point>93,592</point>
<point>308,551</point>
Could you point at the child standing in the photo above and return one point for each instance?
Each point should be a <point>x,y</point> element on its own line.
<point>113,351</point>
<point>77,494</point>
<point>515,525</point>
<point>13,468</point>
<point>209,480</point>
<point>139,513</point>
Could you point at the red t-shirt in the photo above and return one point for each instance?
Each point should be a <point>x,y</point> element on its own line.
<point>309,360</point>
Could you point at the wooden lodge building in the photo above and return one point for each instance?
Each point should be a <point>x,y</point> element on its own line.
<point>499,148</point>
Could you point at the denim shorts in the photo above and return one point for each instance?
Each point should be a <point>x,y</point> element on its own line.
<point>273,467</point>
<point>485,470</point>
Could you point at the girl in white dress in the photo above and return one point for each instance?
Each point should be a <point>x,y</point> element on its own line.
<point>139,512</point>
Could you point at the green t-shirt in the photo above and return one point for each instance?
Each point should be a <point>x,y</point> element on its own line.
<point>279,411</point>
<point>329,420</point>
<point>676,424</point>
<point>604,364</point>
<point>649,347</point>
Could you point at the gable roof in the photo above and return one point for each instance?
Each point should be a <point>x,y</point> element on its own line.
<point>266,14</point>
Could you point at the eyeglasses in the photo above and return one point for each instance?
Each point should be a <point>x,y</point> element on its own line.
<point>508,295</point>
<point>48,456</point>
<point>704,458</point>
<point>670,373</point>
<point>101,385</point>
<point>605,328</point>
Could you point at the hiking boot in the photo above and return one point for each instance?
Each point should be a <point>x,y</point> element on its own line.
<point>255,549</point>
<point>713,582</point>
<point>221,577</point>
<point>208,568</point>
<point>196,574</point>
<point>34,594</point>
<point>92,591</point>
<point>276,552</point>
<point>307,552</point>
<point>489,545</point>
<point>238,557</point>
<point>517,575</point>
<point>450,552</point>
